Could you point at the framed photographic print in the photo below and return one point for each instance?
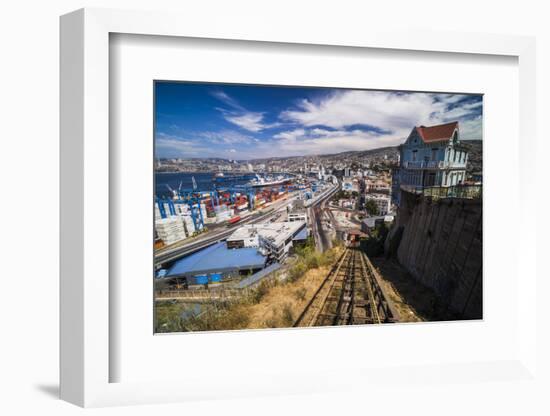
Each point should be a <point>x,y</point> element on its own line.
<point>287,206</point>
<point>236,208</point>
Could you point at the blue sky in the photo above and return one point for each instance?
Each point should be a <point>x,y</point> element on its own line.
<point>247,122</point>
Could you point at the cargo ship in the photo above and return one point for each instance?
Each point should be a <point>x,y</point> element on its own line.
<point>268,181</point>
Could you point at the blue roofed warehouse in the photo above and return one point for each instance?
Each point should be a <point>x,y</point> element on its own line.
<point>217,260</point>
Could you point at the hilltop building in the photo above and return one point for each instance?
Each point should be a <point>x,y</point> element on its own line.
<point>431,156</point>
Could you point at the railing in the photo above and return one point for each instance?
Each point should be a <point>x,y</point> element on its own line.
<point>432,164</point>
<point>197,295</point>
<point>457,191</point>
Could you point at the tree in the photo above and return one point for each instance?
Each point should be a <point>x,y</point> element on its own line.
<point>371,207</point>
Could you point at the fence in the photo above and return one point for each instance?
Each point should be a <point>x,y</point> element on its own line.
<point>440,192</point>
<point>197,295</point>
<point>457,191</point>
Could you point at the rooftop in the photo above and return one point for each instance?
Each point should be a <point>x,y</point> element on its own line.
<point>272,231</point>
<point>217,258</point>
<point>278,232</point>
<point>437,133</point>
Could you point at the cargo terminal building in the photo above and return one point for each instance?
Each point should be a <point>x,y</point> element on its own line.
<point>273,239</point>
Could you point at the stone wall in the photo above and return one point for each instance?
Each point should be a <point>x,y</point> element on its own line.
<point>441,246</point>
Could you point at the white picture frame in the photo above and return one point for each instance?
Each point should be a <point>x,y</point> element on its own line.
<point>85,217</point>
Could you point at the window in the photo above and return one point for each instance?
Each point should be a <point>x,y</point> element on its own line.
<point>434,154</point>
<point>455,137</point>
<point>414,155</point>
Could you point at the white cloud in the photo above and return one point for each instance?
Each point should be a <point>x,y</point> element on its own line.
<point>174,147</point>
<point>291,135</point>
<point>323,126</point>
<point>323,141</point>
<point>226,137</point>
<point>239,116</point>
<point>375,108</point>
<point>472,129</point>
<point>248,121</point>
<point>396,113</point>
<point>223,97</point>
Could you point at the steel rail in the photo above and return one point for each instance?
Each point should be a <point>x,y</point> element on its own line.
<point>351,288</point>
<point>320,295</point>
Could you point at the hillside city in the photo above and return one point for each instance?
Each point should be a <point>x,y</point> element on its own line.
<point>376,236</point>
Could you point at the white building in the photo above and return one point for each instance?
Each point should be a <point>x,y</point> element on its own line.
<point>377,186</point>
<point>383,202</point>
<point>245,236</point>
<point>274,238</point>
<point>297,212</point>
<point>297,216</point>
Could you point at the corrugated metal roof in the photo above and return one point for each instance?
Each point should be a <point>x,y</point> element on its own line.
<point>217,258</point>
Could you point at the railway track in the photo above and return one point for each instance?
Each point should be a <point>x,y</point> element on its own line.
<point>351,294</point>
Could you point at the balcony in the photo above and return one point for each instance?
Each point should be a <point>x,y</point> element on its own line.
<point>433,164</point>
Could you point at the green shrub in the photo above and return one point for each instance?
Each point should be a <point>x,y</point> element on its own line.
<point>297,271</point>
<point>288,317</point>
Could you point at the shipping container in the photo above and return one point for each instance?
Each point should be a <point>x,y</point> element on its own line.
<point>215,278</point>
<point>201,279</point>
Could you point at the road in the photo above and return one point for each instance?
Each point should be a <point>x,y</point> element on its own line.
<point>315,213</point>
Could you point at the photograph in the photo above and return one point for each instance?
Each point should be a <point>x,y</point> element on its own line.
<point>297,206</point>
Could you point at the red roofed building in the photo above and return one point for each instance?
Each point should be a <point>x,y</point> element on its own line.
<point>431,156</point>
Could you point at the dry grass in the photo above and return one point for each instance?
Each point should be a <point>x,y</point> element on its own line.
<point>282,304</point>
<point>274,303</point>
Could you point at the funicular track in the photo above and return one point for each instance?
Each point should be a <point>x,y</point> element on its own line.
<point>351,294</point>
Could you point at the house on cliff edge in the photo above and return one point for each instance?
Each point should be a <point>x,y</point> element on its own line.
<point>431,156</point>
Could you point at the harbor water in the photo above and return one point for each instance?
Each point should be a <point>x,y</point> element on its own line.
<point>205,181</point>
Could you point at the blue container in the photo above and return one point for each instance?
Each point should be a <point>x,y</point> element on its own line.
<point>201,279</point>
<point>215,277</point>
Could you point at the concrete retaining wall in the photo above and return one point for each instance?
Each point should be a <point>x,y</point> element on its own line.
<point>441,246</point>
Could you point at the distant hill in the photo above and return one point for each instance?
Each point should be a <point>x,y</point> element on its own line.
<point>391,151</point>
<point>475,155</point>
<point>381,155</point>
